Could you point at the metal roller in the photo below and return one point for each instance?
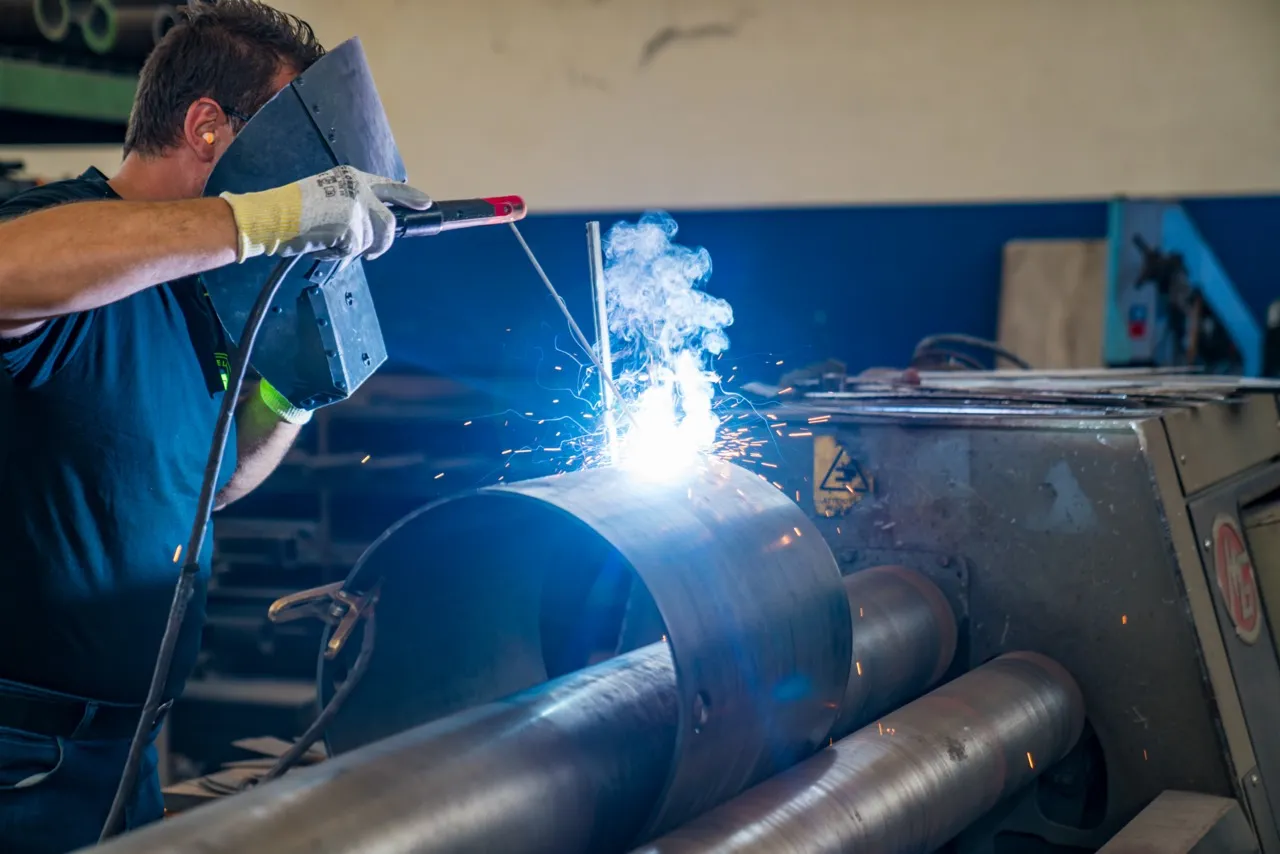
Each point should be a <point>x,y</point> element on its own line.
<point>487,593</point>
<point>571,767</point>
<point>904,637</point>
<point>913,780</point>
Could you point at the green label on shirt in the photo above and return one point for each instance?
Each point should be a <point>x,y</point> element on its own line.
<point>224,367</point>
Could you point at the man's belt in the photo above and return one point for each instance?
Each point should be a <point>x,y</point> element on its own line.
<point>57,717</point>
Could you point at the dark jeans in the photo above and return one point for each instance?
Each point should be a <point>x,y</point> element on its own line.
<point>55,792</point>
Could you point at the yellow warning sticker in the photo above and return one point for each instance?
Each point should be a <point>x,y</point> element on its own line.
<point>838,481</point>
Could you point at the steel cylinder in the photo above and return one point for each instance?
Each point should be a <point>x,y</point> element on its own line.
<point>904,638</point>
<point>489,593</point>
<point>573,766</point>
<point>911,781</point>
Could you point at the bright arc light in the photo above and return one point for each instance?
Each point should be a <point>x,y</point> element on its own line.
<point>667,330</point>
<point>673,427</point>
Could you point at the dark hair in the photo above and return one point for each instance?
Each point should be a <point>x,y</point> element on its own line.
<point>227,50</point>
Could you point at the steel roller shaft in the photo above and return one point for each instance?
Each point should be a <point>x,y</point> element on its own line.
<point>911,781</point>
<point>574,765</point>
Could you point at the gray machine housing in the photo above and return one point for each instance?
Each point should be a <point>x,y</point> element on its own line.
<point>1077,516</point>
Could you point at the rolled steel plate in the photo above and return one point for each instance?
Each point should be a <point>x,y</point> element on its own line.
<point>487,593</point>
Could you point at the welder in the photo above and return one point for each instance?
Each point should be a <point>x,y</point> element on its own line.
<point>114,366</point>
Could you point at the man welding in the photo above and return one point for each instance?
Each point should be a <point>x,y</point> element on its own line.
<point>114,368</point>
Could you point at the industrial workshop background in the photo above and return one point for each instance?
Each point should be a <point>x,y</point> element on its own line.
<point>874,155</point>
<point>858,170</point>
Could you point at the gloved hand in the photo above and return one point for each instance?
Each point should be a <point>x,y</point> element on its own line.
<point>341,213</point>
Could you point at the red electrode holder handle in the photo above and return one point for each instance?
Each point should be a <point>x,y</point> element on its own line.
<point>458,213</point>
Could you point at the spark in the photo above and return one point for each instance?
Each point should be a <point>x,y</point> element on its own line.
<point>507,451</point>
<point>437,477</point>
<point>821,419</point>
<point>859,612</point>
<point>1124,619</point>
<point>880,726</point>
<point>558,368</point>
<point>177,553</point>
<point>858,664</point>
<point>1031,763</point>
<point>1144,756</point>
<point>779,362</point>
<point>797,530</point>
<point>770,465</point>
<point>466,423</point>
<point>366,459</point>
<point>787,389</point>
<point>800,433</point>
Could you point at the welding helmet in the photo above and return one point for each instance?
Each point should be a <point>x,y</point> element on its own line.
<point>321,340</point>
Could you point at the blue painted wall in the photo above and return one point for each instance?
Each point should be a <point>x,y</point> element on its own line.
<point>861,284</point>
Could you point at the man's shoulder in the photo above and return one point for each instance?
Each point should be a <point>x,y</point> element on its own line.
<point>90,185</point>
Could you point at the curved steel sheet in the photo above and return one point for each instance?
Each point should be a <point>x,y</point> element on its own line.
<point>487,593</point>
<point>914,779</point>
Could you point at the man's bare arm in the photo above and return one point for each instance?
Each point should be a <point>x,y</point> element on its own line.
<point>87,254</point>
<point>262,440</point>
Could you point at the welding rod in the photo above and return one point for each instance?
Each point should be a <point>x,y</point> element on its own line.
<point>911,781</point>
<point>595,261</point>
<point>573,766</point>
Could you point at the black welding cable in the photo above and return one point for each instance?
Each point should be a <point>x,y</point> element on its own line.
<point>290,757</point>
<point>191,567</point>
<point>992,347</point>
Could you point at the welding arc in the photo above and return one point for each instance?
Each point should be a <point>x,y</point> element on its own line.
<point>574,328</point>
<point>572,766</point>
<point>952,755</point>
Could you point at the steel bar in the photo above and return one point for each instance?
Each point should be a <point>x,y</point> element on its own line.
<point>911,781</point>
<point>595,261</point>
<point>140,28</point>
<point>98,26</point>
<point>572,767</point>
<point>52,18</point>
<point>18,24</point>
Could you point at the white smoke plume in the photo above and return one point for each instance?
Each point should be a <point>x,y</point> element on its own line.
<point>668,330</point>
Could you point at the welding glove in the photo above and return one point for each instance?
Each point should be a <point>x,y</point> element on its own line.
<point>341,213</point>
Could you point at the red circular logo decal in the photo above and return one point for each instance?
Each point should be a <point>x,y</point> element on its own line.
<point>1236,578</point>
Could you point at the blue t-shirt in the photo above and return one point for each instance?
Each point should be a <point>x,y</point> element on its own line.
<point>105,422</point>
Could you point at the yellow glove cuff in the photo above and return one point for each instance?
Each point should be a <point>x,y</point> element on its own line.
<point>265,220</point>
<point>280,405</point>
